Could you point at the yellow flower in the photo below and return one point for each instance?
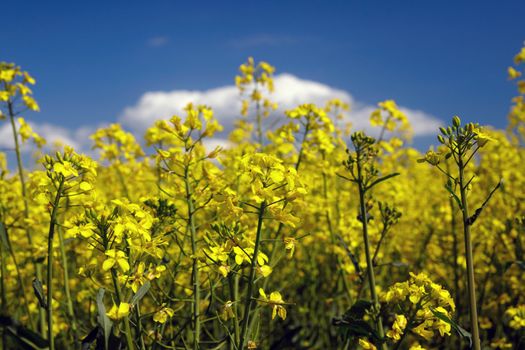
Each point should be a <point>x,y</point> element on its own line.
<point>85,230</point>
<point>398,327</point>
<point>424,331</point>
<point>483,138</point>
<point>431,157</point>
<point>520,57</point>
<point>289,245</point>
<point>163,315</point>
<point>117,313</point>
<point>227,310</point>
<point>65,168</point>
<point>115,257</point>
<point>513,73</point>
<point>517,316</point>
<point>276,302</point>
<point>366,345</point>
<point>31,103</point>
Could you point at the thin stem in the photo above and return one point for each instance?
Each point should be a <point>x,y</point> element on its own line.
<point>3,298</point>
<point>69,300</point>
<point>259,124</point>
<point>50,237</point>
<point>20,167</point>
<point>470,263</point>
<point>369,264</point>
<point>251,279</point>
<point>21,284</point>
<point>233,282</point>
<point>118,292</point>
<point>195,268</point>
<point>138,326</point>
<point>332,235</point>
<point>301,151</point>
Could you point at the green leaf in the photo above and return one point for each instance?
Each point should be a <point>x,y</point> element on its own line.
<point>353,324</point>
<point>90,338</point>
<point>381,179</point>
<point>25,338</point>
<point>140,293</point>
<point>103,319</point>
<point>344,177</point>
<point>39,292</point>
<point>460,330</point>
<point>521,264</point>
<point>358,310</point>
<point>359,329</point>
<point>3,237</point>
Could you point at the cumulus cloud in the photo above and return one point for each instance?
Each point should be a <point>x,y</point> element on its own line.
<point>289,92</point>
<point>76,138</point>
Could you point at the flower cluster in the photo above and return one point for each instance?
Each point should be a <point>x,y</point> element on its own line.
<point>422,301</point>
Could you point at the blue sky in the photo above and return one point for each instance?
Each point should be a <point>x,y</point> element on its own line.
<point>92,59</point>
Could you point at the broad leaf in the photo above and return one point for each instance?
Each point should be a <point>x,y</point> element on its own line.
<point>103,319</point>
<point>141,293</point>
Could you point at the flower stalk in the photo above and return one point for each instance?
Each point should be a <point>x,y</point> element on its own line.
<point>251,279</point>
<point>51,235</point>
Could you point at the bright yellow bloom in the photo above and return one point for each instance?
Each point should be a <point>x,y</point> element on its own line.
<point>398,328</point>
<point>366,345</point>
<point>163,315</point>
<point>115,257</point>
<point>65,168</point>
<point>118,312</point>
<point>513,73</point>
<point>276,302</point>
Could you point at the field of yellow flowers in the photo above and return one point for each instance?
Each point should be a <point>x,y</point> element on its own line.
<point>310,235</point>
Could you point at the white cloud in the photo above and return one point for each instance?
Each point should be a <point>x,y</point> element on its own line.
<point>77,138</point>
<point>289,92</point>
<point>158,41</point>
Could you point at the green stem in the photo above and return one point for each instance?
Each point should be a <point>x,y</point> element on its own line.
<point>369,264</point>
<point>332,236</point>
<point>470,263</point>
<point>251,279</point>
<point>233,282</point>
<point>41,310</point>
<point>20,167</point>
<point>69,300</point>
<point>3,296</point>
<point>127,328</point>
<point>50,237</point>
<point>139,326</point>
<point>195,267</point>
<point>259,124</point>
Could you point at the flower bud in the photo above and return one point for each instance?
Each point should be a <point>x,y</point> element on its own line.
<point>456,121</point>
